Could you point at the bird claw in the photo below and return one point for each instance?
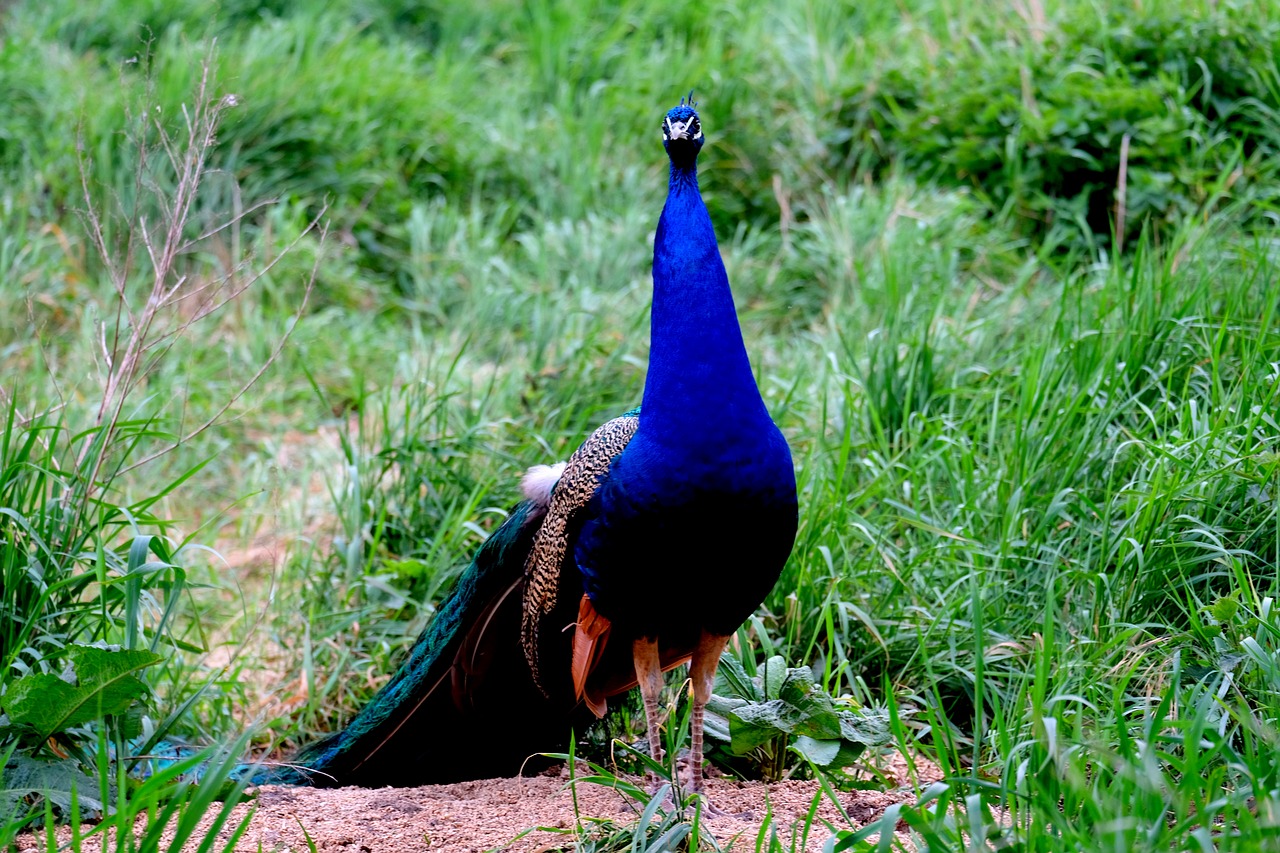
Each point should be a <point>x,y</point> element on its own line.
<point>654,787</point>
<point>659,788</point>
<point>711,811</point>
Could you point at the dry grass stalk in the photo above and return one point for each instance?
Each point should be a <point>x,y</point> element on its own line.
<point>155,225</point>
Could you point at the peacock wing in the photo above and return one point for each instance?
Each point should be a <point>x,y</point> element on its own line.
<point>544,586</point>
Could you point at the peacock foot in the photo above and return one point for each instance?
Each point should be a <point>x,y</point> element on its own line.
<point>659,788</point>
<point>710,811</point>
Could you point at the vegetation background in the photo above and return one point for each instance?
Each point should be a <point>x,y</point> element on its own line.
<point>292,291</point>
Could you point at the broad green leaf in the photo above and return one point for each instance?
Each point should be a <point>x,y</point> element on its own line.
<point>816,713</point>
<point>733,682</point>
<point>724,705</point>
<point>1225,609</point>
<point>756,724</point>
<point>716,726</point>
<point>827,735</point>
<point>101,683</point>
<point>774,672</point>
<point>55,780</point>
<point>848,754</point>
<point>869,727</point>
<point>829,753</point>
<point>820,752</point>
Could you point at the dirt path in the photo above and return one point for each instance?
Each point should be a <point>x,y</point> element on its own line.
<point>470,817</point>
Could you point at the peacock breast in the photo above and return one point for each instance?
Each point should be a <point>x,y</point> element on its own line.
<point>714,521</point>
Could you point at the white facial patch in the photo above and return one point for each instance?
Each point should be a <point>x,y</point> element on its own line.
<point>681,129</point>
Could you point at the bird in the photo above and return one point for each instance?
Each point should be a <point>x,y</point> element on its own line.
<point>647,549</point>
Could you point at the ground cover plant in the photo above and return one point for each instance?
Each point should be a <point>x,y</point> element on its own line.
<point>1009,269</point>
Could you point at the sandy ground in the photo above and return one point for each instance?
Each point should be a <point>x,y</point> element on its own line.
<point>523,815</point>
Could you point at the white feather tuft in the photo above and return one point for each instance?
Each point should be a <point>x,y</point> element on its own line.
<point>538,482</point>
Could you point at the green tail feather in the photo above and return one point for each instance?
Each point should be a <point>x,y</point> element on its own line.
<point>463,705</point>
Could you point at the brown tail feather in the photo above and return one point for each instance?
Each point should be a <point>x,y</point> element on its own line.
<point>590,636</point>
<point>590,640</point>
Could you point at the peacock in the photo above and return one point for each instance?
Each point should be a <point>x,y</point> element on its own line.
<point>647,549</point>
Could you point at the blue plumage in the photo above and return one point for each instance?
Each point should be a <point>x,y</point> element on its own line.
<point>707,465</point>
<point>662,534</point>
<point>690,529</point>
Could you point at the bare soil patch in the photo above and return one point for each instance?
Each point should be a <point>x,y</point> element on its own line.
<point>497,814</point>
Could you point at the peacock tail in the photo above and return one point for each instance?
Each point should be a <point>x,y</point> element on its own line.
<point>469,701</point>
<point>457,708</point>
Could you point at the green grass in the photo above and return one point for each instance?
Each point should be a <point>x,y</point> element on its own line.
<point>1039,472</point>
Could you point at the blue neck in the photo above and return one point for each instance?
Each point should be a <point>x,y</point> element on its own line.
<point>700,381</point>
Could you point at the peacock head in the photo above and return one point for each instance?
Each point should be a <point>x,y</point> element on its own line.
<point>682,133</point>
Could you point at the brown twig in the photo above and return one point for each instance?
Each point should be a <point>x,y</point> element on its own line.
<point>275,353</point>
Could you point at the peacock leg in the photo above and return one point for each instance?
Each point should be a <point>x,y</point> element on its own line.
<point>702,671</point>
<point>649,674</point>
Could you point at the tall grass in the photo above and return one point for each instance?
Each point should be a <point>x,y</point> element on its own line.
<point>93,575</point>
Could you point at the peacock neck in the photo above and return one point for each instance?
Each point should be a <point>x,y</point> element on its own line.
<point>700,382</point>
